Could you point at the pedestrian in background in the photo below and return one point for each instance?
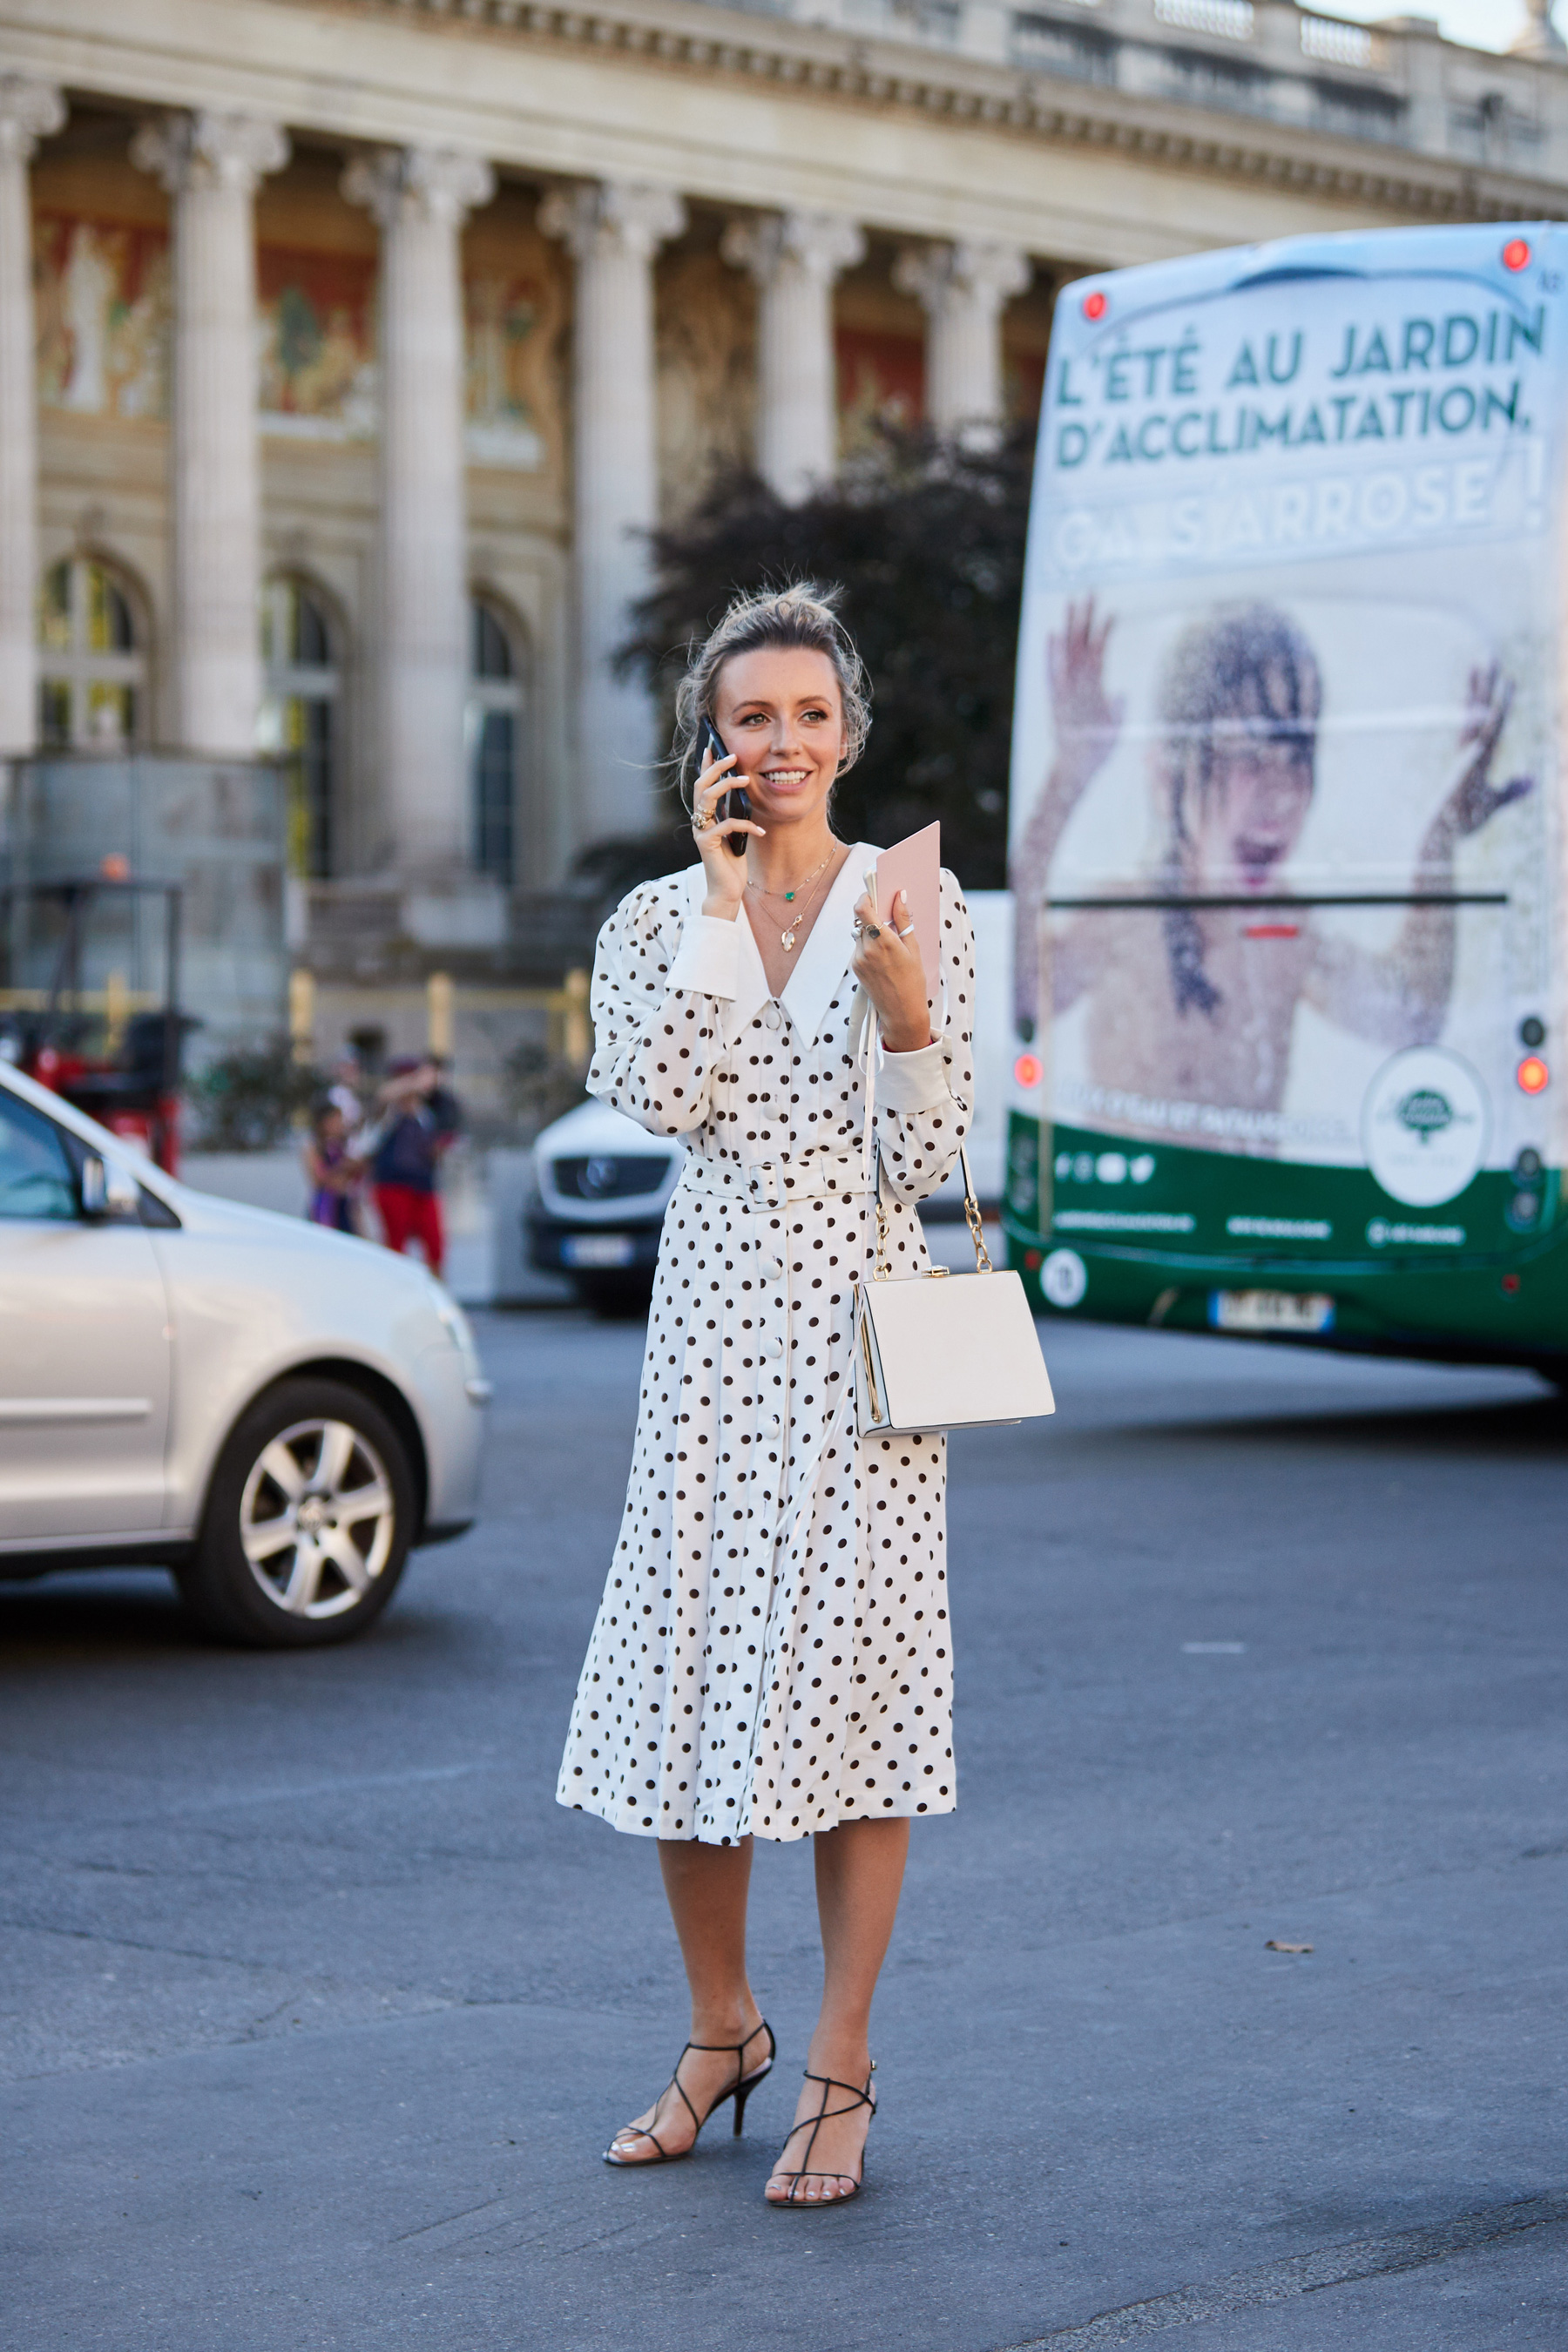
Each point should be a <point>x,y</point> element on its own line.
<point>444,1108</point>
<point>405,1147</point>
<point>346,1091</point>
<point>771,1657</point>
<point>335,1176</point>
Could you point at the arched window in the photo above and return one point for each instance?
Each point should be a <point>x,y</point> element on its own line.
<point>92,664</point>
<point>494,729</point>
<point>299,717</point>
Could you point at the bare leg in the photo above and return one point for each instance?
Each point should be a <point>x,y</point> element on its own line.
<point>706,1887</point>
<point>860,1873</point>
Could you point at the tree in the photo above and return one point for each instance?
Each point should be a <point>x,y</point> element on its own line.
<point>926,539</point>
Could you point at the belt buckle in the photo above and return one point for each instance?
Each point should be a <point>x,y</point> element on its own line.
<point>762,1183</point>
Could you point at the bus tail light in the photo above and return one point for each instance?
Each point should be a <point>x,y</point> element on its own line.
<point>1094,305</point>
<point>1029,1069</point>
<point>1516,254</point>
<point>1533,1075</point>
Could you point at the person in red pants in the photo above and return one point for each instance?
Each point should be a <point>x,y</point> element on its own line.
<point>408,1156</point>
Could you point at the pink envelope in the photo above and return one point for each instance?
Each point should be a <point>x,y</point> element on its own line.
<point>914,867</point>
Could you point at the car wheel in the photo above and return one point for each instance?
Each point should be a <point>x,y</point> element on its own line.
<point>308,1522</point>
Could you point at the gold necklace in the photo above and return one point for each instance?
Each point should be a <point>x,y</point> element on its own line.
<point>788,935</point>
<point>799,886</point>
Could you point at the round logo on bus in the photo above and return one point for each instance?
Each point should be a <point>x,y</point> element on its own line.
<point>1425,1125</point>
<point>1064,1277</point>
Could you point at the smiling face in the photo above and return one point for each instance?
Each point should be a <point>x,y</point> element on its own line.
<point>780,711</point>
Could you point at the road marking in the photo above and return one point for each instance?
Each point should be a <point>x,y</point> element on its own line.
<point>1281,2282</point>
<point>1214,1649</point>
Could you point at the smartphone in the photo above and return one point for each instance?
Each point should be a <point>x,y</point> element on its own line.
<point>728,805</point>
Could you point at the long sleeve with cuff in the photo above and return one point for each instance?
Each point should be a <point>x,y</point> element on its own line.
<point>656,1004</point>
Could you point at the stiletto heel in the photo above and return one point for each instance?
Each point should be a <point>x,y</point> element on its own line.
<point>743,2090</point>
<point>740,2090</point>
<point>824,2114</point>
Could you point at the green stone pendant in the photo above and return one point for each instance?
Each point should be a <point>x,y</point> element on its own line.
<point>789,894</point>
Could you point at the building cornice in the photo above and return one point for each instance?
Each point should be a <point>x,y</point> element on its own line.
<point>699,38</point>
<point>760,111</point>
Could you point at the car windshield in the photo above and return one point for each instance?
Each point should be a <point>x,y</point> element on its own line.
<point>34,1173</point>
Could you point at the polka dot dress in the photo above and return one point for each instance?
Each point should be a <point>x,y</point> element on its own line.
<point>772,1653</point>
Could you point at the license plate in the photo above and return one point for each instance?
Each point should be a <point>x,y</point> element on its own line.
<point>1270,1310</point>
<point>597,1249</point>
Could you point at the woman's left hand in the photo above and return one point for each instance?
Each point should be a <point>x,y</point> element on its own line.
<point>887,963</point>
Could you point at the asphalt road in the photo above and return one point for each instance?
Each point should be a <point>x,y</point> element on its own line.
<point>317,2012</point>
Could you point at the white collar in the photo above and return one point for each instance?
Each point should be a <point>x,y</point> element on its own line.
<point>824,958</point>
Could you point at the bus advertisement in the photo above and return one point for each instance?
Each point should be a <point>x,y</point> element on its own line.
<point>1286,838</point>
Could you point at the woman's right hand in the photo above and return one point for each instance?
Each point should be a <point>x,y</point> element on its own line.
<point>726,873</point>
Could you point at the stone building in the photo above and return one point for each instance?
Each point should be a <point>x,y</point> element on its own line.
<point>348,346</point>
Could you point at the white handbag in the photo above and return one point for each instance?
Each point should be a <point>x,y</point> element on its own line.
<point>940,1351</point>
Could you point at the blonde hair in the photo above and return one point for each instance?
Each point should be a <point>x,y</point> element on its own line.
<point>801,615</point>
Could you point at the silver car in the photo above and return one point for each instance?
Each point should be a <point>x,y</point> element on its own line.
<point>274,1411</point>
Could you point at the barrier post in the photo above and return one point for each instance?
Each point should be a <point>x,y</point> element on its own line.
<point>578,1037</point>
<point>302,1014</point>
<point>438,1023</point>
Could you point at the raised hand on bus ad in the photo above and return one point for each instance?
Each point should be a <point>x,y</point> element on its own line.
<point>1087,719</point>
<point>1401,997</point>
<point>1473,800</point>
<point>1086,723</point>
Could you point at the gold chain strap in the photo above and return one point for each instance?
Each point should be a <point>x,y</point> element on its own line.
<point>884,1265</point>
<point>972,1216</point>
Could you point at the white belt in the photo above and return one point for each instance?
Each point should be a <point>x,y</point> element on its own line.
<point>772,1184</point>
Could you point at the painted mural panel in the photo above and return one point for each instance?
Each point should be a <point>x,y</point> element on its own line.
<point>317,343</point>
<point>103,310</point>
<point>707,375</point>
<point>509,391</point>
<point>882,381</point>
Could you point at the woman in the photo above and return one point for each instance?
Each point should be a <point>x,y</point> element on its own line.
<point>772,1657</point>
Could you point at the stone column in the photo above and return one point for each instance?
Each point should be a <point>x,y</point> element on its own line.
<point>210,164</point>
<point>962,287</point>
<point>421,197</point>
<point>794,258</point>
<point>28,111</point>
<point>613,231</point>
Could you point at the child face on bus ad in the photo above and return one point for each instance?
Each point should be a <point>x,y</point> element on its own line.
<point>1250,809</point>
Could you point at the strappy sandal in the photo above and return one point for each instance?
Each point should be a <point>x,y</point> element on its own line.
<point>740,2090</point>
<point>814,2124</point>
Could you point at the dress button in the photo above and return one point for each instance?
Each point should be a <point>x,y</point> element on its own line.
<point>773,1014</point>
<point>772,1347</point>
<point>772,1271</point>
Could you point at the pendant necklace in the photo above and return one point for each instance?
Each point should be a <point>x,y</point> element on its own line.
<point>787,936</point>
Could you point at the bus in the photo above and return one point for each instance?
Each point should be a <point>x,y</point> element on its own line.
<point>1287,835</point>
